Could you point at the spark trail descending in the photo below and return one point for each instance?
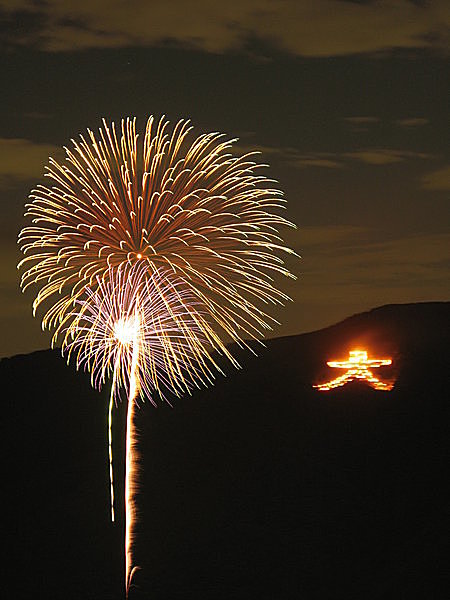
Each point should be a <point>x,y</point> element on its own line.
<point>149,255</point>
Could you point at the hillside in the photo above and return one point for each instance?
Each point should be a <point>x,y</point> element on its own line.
<point>259,487</point>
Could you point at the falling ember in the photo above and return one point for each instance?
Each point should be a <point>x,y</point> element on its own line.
<point>358,368</point>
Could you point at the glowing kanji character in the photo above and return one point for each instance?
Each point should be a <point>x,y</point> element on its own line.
<point>357,367</point>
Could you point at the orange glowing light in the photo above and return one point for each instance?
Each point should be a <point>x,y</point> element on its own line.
<point>357,367</point>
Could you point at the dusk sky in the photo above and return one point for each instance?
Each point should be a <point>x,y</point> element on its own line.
<point>347,100</point>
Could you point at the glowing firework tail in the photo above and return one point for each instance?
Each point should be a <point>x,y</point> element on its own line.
<point>130,462</point>
<point>150,254</point>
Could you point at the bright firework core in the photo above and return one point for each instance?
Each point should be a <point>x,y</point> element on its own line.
<point>126,329</point>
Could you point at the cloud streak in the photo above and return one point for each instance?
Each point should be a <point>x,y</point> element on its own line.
<point>437,180</point>
<point>341,261</point>
<point>413,122</point>
<point>22,159</point>
<point>300,27</point>
<point>384,156</point>
<point>362,120</point>
<point>337,160</point>
<point>295,158</point>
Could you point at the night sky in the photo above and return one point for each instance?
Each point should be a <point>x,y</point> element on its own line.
<point>347,100</point>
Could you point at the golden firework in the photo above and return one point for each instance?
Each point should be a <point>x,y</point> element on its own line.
<point>187,207</point>
<point>148,255</point>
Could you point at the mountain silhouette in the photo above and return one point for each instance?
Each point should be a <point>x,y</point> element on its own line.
<point>259,487</point>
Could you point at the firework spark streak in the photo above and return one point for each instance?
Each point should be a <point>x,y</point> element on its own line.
<point>149,255</point>
<point>110,451</point>
<point>130,465</point>
<point>150,333</point>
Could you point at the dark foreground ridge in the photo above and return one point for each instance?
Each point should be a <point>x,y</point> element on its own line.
<point>258,488</point>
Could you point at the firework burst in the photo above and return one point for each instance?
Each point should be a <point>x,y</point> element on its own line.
<point>148,255</point>
<point>189,208</point>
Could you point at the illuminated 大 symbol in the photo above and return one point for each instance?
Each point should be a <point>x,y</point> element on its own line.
<point>357,367</point>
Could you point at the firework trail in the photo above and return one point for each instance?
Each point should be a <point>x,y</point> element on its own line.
<point>149,332</point>
<point>149,255</point>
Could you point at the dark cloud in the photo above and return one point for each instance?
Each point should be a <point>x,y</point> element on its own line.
<point>293,157</point>
<point>412,122</point>
<point>437,180</point>
<point>346,260</point>
<point>385,156</point>
<point>337,160</point>
<point>347,269</point>
<point>23,159</point>
<point>300,27</point>
<point>361,120</point>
